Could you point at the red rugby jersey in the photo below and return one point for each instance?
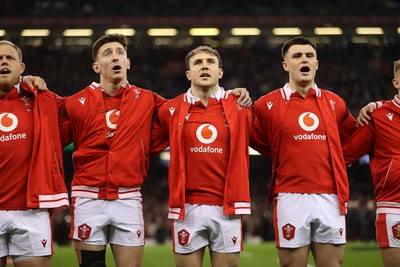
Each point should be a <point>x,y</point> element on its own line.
<point>207,153</point>
<point>16,135</point>
<point>302,130</point>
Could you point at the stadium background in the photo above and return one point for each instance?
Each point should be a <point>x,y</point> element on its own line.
<point>358,67</point>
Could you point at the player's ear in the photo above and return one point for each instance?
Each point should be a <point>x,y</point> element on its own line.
<point>96,67</point>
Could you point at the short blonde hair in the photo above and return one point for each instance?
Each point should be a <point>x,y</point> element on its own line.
<point>5,42</point>
<point>396,68</point>
<point>202,48</point>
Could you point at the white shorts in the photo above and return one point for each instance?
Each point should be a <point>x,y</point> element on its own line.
<point>207,225</point>
<point>25,233</point>
<point>300,219</point>
<point>388,230</point>
<point>99,222</point>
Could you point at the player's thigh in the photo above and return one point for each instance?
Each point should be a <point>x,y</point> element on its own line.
<point>88,224</point>
<point>328,255</point>
<point>127,223</point>
<point>390,256</point>
<point>193,259</point>
<point>3,261</point>
<point>224,259</point>
<point>127,256</point>
<point>39,261</point>
<point>30,235</point>
<point>79,246</point>
<point>293,257</point>
<point>329,224</point>
<point>292,220</point>
<point>388,230</point>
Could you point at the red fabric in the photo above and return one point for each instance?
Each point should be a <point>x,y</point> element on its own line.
<point>112,106</point>
<point>271,111</point>
<point>122,164</point>
<point>209,191</point>
<point>297,176</point>
<point>172,117</point>
<point>45,185</point>
<point>381,139</point>
<point>15,149</point>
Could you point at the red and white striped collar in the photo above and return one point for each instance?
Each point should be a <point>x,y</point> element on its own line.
<point>190,98</point>
<point>396,101</point>
<point>18,88</point>
<point>95,85</point>
<point>287,92</point>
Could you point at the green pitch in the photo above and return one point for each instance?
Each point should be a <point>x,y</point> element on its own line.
<point>260,255</point>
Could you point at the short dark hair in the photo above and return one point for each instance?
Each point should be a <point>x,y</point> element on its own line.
<point>109,38</point>
<point>297,41</point>
<point>203,48</point>
<point>5,42</point>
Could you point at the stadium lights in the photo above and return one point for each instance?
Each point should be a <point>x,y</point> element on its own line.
<point>286,31</point>
<point>78,32</point>
<point>2,32</point>
<point>162,32</point>
<point>328,31</point>
<point>204,31</point>
<point>35,32</point>
<point>163,41</point>
<point>398,30</point>
<point>233,41</point>
<point>245,31</point>
<point>124,31</point>
<point>369,30</point>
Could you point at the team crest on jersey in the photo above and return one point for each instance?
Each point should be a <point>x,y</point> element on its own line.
<point>332,104</point>
<point>27,103</point>
<point>288,231</point>
<point>396,231</point>
<point>183,237</point>
<point>84,231</point>
<point>137,93</point>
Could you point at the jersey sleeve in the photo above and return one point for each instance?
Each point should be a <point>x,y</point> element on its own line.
<point>358,144</point>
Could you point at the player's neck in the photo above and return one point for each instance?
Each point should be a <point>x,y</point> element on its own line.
<point>111,88</point>
<point>302,88</point>
<point>204,93</point>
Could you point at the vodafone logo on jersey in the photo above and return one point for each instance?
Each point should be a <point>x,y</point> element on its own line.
<point>112,117</point>
<point>8,122</point>
<point>309,122</point>
<point>206,134</point>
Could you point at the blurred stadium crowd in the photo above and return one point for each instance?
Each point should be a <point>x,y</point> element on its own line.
<point>193,7</point>
<point>359,73</point>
